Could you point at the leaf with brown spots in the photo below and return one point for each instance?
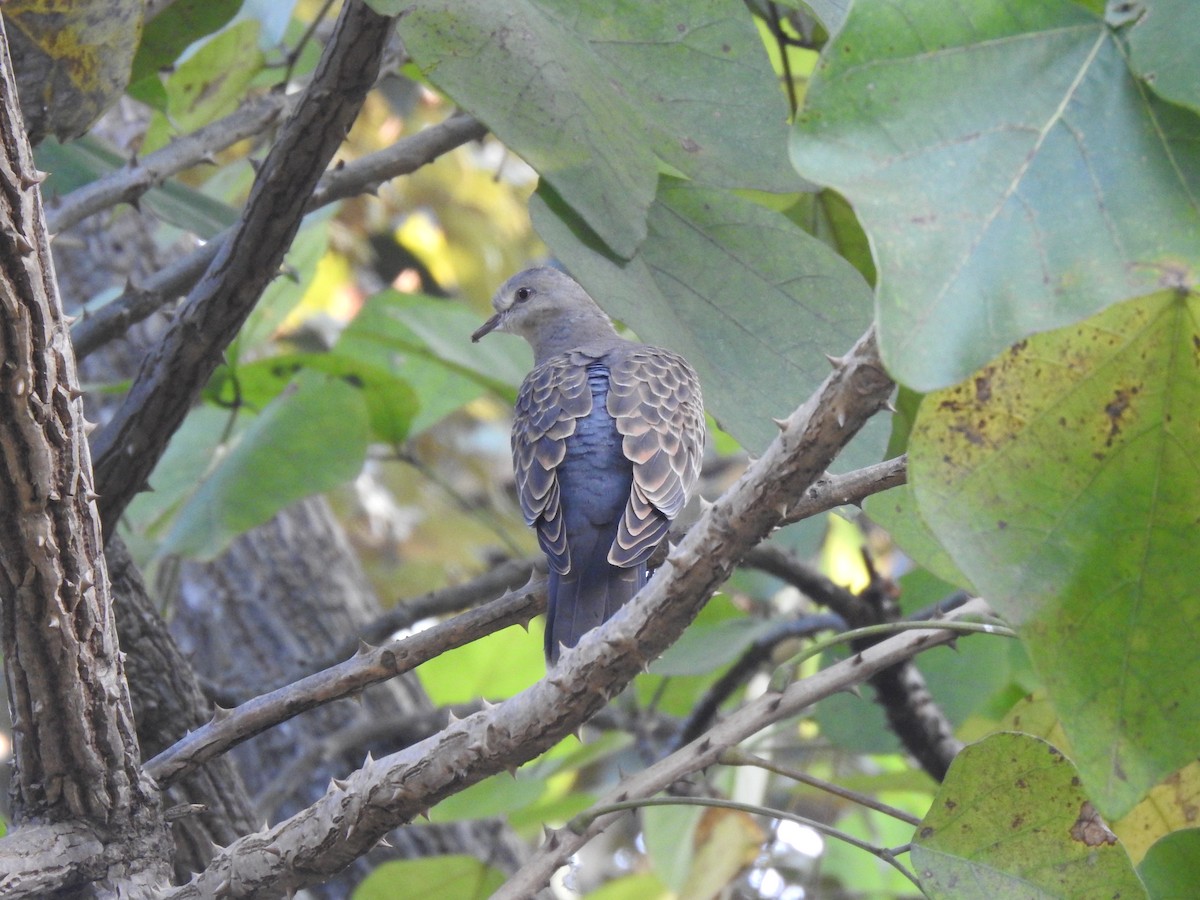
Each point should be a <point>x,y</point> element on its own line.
<point>1003,825</point>
<point>72,59</point>
<point>1067,495</point>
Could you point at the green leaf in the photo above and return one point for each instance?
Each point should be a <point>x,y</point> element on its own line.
<point>749,298</point>
<point>1171,870</point>
<point>592,97</point>
<point>1162,50</point>
<point>311,438</point>
<point>174,29</point>
<point>1012,173</point>
<point>187,456</point>
<point>388,7</point>
<point>1010,821</point>
<point>71,60</point>
<point>427,342</point>
<point>895,510</point>
<point>669,833</point>
<point>1170,806</point>
<point>1062,478</point>
<point>703,649</point>
<point>391,404</point>
<point>450,877</point>
<point>210,83</point>
<point>494,667</point>
<point>499,795</point>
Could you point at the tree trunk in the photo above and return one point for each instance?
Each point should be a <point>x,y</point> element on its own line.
<point>76,755</point>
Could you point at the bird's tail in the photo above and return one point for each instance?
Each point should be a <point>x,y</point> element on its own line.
<point>587,597</point>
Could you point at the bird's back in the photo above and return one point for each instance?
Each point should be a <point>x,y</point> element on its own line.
<point>594,482</point>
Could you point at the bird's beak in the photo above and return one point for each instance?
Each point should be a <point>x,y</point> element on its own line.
<point>486,328</point>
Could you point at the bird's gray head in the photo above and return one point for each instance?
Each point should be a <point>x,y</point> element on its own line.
<point>548,309</point>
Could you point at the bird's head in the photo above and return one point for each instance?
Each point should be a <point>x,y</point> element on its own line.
<point>548,309</point>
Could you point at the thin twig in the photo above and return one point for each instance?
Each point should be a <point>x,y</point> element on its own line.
<point>580,823</point>
<point>735,757</point>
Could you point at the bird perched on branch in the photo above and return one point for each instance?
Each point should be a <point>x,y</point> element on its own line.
<point>607,441</point>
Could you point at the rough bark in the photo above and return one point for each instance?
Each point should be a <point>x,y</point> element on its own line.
<point>76,755</point>
<point>210,807</point>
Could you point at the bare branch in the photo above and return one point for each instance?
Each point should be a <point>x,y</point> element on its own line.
<point>850,489</point>
<point>369,666</point>
<point>127,184</point>
<point>355,813</point>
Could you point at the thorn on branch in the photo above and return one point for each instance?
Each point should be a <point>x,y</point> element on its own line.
<point>30,180</point>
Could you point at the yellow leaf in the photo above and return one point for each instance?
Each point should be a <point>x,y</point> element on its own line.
<point>71,58</point>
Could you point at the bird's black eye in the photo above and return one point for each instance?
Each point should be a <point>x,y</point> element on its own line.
<point>523,294</point>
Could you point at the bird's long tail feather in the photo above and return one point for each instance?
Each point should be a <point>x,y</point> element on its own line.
<point>587,597</point>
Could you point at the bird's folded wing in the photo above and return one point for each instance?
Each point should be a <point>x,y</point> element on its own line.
<point>654,397</point>
<point>551,400</point>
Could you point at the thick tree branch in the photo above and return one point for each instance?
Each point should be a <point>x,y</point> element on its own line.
<point>355,813</point>
<point>370,665</point>
<point>144,299</point>
<point>173,375</point>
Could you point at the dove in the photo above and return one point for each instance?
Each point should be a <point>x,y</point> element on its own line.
<point>607,441</point>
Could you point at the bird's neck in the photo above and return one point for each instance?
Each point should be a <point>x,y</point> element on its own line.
<point>587,329</point>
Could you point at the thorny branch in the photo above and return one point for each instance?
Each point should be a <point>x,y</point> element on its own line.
<point>355,813</point>
<point>360,665</point>
<point>740,725</point>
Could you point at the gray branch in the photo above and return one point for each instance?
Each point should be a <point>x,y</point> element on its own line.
<point>128,184</point>
<point>355,813</point>
<point>706,750</point>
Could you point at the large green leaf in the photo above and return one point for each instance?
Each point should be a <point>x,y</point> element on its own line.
<point>1010,821</point>
<point>749,298</point>
<point>311,438</point>
<point>1171,870</point>
<point>210,83</point>
<point>1162,49</point>
<point>1012,173</point>
<point>170,33</point>
<point>592,96</point>
<point>1063,479</point>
